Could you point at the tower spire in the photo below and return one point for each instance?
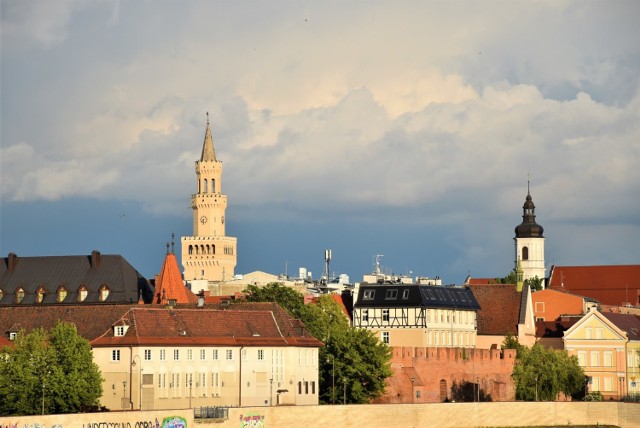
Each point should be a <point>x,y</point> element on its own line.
<point>208,152</point>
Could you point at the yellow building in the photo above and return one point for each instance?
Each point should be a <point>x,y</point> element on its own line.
<point>209,255</point>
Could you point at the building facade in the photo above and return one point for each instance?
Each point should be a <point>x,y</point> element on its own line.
<point>529,242</point>
<point>209,255</point>
<point>417,315</point>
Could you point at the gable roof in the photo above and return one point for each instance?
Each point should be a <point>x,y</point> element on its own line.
<point>611,285</point>
<point>169,284</point>
<point>630,324</point>
<point>411,295</point>
<point>549,329</point>
<point>124,282</point>
<point>265,325</point>
<point>500,308</point>
<point>593,313</point>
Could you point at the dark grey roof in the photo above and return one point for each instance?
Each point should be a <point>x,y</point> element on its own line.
<point>124,282</point>
<point>411,295</point>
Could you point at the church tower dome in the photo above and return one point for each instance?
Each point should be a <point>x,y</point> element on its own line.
<point>529,242</point>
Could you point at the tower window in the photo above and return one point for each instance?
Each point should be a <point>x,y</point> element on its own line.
<point>213,185</point>
<point>525,253</point>
<point>190,249</point>
<point>205,186</point>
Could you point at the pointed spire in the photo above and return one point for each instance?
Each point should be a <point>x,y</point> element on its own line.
<point>208,152</point>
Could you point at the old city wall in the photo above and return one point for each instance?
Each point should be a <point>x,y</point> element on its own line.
<point>461,415</point>
<point>432,375</point>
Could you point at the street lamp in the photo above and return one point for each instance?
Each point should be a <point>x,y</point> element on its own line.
<point>133,364</point>
<point>190,390</point>
<point>478,380</point>
<point>344,397</point>
<point>271,392</point>
<point>413,382</point>
<point>333,378</point>
<point>536,388</point>
<point>124,394</point>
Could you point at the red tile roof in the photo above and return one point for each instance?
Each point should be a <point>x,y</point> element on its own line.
<point>169,284</point>
<point>257,324</point>
<point>556,328</point>
<point>611,285</point>
<point>499,308</point>
<point>628,323</point>
<point>483,281</point>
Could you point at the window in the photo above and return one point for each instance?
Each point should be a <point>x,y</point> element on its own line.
<point>82,293</point>
<point>582,358</point>
<point>115,355</point>
<point>189,354</point>
<point>599,333</point>
<point>417,394</point>
<point>40,294</point>
<point>215,354</point>
<point>385,337</point>
<point>365,315</point>
<point>176,354</point>
<point>525,253</point>
<point>368,294</point>
<point>229,354</point>
<point>385,315</point>
<point>62,294</point>
<point>13,335</point>
<point>119,330</point>
<point>589,332</point>
<point>163,354</point>
<point>595,384</point>
<point>261,354</point>
<point>405,294</point>
<point>147,354</point>
<point>104,293</point>
<point>608,358</point>
<point>595,359</point>
<point>203,354</point>
<point>391,294</point>
<point>1,294</point>
<point>608,384</point>
<point>19,295</point>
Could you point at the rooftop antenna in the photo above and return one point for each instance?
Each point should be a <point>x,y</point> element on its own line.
<point>167,248</point>
<point>207,118</point>
<point>327,261</point>
<point>173,236</point>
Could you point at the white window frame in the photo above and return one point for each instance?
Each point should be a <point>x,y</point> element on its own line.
<point>115,355</point>
<point>385,336</point>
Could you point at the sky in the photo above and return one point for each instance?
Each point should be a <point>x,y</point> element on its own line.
<point>407,129</point>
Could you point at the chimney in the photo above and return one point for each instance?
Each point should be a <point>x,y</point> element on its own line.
<point>12,261</point>
<point>95,259</point>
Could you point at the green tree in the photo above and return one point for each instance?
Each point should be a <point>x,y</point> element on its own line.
<point>287,297</point>
<point>48,372</point>
<point>541,374</point>
<point>511,342</point>
<point>534,283</point>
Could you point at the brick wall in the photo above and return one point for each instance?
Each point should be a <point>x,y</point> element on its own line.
<point>431,375</point>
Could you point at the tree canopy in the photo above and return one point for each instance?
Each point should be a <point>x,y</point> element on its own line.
<point>48,372</point>
<point>353,362</point>
<point>287,297</point>
<point>541,374</point>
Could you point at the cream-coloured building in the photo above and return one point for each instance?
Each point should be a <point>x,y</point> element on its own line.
<point>417,315</point>
<point>209,254</point>
<point>152,358</point>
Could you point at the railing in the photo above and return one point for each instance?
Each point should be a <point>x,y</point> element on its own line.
<point>211,412</point>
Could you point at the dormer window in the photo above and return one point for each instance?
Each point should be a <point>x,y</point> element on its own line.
<point>1,294</point>
<point>82,293</point>
<point>19,295</point>
<point>120,330</point>
<point>104,293</point>
<point>405,294</point>
<point>368,294</point>
<point>62,294</point>
<point>391,294</point>
<point>13,335</point>
<point>40,294</point>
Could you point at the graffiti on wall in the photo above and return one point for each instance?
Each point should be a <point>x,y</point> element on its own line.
<point>169,422</point>
<point>35,425</point>
<point>251,421</point>
<point>174,422</point>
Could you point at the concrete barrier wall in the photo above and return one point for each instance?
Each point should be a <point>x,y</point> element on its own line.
<point>504,414</point>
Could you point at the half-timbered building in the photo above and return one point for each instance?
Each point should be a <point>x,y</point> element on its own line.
<point>417,315</point>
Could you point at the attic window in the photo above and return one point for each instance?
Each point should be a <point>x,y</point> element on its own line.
<point>19,295</point>
<point>13,335</point>
<point>104,293</point>
<point>368,294</point>
<point>405,294</point>
<point>120,330</point>
<point>391,294</point>
<point>82,293</point>
<point>40,294</point>
<point>1,294</point>
<point>62,294</point>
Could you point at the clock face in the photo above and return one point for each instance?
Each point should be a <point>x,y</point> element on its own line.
<point>203,219</point>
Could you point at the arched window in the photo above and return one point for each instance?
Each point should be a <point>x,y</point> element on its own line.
<point>205,190</point>
<point>104,293</point>
<point>202,249</point>
<point>208,249</point>
<point>40,293</point>
<point>190,249</point>
<point>82,293</point>
<point>213,249</point>
<point>61,293</point>
<point>19,295</point>
<point>213,185</point>
<point>525,253</point>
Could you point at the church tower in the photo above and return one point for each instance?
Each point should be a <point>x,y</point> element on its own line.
<point>530,242</point>
<point>209,254</point>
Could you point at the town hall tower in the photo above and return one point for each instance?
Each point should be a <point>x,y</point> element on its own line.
<point>530,242</point>
<point>209,254</point>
